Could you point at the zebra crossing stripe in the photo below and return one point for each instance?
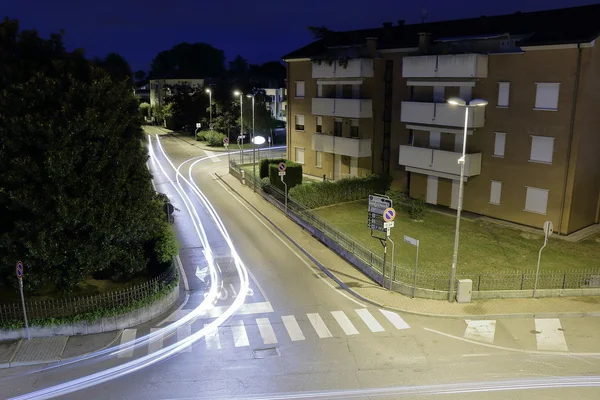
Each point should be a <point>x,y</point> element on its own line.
<point>395,319</point>
<point>266,331</point>
<point>344,323</point>
<point>127,336</point>
<point>292,327</point>
<point>549,335</point>
<point>480,330</point>
<point>212,338</point>
<point>156,343</point>
<point>370,320</point>
<point>240,337</point>
<point>184,332</point>
<point>319,325</point>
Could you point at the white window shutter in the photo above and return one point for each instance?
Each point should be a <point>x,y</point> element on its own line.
<point>319,90</point>
<point>499,144</point>
<point>319,120</point>
<point>503,93</point>
<point>536,200</point>
<point>300,89</point>
<point>542,149</point>
<point>299,119</point>
<point>299,155</point>
<point>495,192</point>
<point>354,122</point>
<point>319,159</point>
<point>546,96</point>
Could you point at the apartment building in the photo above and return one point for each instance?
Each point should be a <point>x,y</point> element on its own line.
<point>375,101</point>
<point>277,102</point>
<point>159,88</point>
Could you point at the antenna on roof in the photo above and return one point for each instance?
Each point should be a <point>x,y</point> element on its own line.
<point>424,15</point>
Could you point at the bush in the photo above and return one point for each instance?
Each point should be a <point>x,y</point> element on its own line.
<point>201,135</point>
<point>397,196</point>
<point>214,138</point>
<point>263,166</point>
<point>264,183</point>
<point>293,175</point>
<point>166,244</point>
<point>417,209</point>
<point>320,194</point>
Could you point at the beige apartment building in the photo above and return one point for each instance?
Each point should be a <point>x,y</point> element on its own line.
<point>375,101</point>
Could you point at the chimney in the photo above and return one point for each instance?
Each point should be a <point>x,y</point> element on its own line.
<point>372,47</point>
<point>424,41</point>
<point>401,22</point>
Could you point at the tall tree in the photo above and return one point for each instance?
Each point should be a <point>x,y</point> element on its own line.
<point>185,60</point>
<point>238,68</point>
<point>139,75</point>
<point>75,193</point>
<point>263,120</point>
<point>319,32</point>
<point>117,67</point>
<point>189,106</point>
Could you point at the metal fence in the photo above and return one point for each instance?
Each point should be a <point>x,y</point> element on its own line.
<point>404,273</point>
<point>69,307</point>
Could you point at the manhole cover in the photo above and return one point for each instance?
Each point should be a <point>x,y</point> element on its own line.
<point>264,353</point>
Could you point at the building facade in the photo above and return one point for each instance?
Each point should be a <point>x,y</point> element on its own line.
<point>277,103</point>
<point>159,88</point>
<point>375,101</point>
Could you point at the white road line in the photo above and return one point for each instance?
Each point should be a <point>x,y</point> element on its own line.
<point>293,329</point>
<point>214,157</point>
<point>550,336</point>
<point>266,331</point>
<point>233,290</point>
<point>183,332</point>
<point>344,322</point>
<point>155,343</point>
<point>177,315</point>
<point>212,338</point>
<point>127,336</point>
<point>246,308</point>
<point>370,320</point>
<point>481,330</point>
<point>240,337</point>
<point>319,325</point>
<point>395,319</point>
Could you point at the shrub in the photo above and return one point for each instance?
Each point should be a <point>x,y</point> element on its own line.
<point>397,196</point>
<point>263,166</point>
<point>264,183</point>
<point>293,175</point>
<point>320,194</point>
<point>417,209</point>
<point>214,138</point>
<point>201,135</point>
<point>166,244</point>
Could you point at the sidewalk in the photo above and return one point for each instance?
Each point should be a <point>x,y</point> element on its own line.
<point>53,349</point>
<point>361,286</point>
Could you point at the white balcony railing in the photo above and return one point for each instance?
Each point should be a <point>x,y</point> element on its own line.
<point>441,114</point>
<point>439,161</point>
<point>356,68</point>
<point>445,66</point>
<point>350,147</point>
<point>349,108</point>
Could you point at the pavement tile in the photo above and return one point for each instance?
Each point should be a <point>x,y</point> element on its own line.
<point>7,350</point>
<point>40,349</point>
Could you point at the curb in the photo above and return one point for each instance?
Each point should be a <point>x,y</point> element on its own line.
<point>381,305</point>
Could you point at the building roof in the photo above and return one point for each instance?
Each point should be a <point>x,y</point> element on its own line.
<point>558,26</point>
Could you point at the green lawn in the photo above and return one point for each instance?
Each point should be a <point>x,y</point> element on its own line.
<point>485,248</point>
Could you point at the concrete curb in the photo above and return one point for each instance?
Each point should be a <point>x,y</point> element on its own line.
<point>377,304</point>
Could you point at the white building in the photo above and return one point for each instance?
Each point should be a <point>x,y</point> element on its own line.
<point>277,103</point>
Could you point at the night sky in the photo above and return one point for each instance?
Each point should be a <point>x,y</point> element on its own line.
<point>260,30</point>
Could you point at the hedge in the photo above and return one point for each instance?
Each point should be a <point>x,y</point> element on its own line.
<point>292,178</point>
<point>263,166</point>
<point>214,138</point>
<point>321,194</point>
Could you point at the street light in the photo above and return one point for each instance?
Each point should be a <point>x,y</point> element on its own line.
<point>253,144</point>
<point>238,93</point>
<point>210,105</point>
<point>457,101</point>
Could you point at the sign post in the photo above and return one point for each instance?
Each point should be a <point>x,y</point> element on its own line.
<point>281,168</point>
<point>20,278</point>
<point>388,216</point>
<point>548,230</point>
<point>380,205</point>
<point>226,144</point>
<point>414,242</point>
<point>168,209</point>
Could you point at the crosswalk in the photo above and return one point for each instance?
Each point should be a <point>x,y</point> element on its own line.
<point>273,330</point>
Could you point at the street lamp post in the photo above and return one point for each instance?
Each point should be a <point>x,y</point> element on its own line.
<point>461,161</point>
<point>237,93</point>
<point>253,144</point>
<point>210,106</point>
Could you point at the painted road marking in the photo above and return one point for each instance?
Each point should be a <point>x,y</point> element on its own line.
<point>292,327</point>
<point>550,336</point>
<point>177,315</point>
<point>213,157</point>
<point>266,331</point>
<point>184,332</point>
<point>127,336</point>
<point>480,330</point>
<point>240,337</point>
<point>155,343</point>
<point>233,290</point>
<point>212,338</point>
<point>370,320</point>
<point>344,322</point>
<point>319,325</point>
<point>246,308</point>
<point>395,319</point>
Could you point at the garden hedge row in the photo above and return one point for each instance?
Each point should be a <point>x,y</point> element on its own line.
<point>292,178</point>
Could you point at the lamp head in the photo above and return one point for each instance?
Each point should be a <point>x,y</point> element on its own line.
<point>457,101</point>
<point>237,93</point>
<point>478,103</point>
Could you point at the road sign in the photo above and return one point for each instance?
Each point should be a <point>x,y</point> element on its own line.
<point>168,208</point>
<point>389,214</point>
<point>198,125</point>
<point>548,228</point>
<point>281,167</point>
<point>281,173</point>
<point>388,225</point>
<point>377,206</point>
<point>225,140</point>
<point>409,240</point>
<point>19,270</point>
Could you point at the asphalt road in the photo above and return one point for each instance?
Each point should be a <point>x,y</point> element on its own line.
<point>296,333</point>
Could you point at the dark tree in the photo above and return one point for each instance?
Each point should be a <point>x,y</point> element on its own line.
<point>187,60</point>
<point>189,105</point>
<point>319,32</point>
<point>117,67</point>
<point>139,76</point>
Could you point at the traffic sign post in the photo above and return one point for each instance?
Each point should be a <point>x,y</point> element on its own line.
<point>548,230</point>
<point>381,217</point>
<point>20,278</point>
<point>281,167</point>
<point>414,242</point>
<point>168,209</point>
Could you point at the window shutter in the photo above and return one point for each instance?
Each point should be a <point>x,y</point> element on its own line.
<point>546,96</point>
<point>503,93</point>
<point>499,144</point>
<point>495,192</point>
<point>542,148</point>
<point>536,200</point>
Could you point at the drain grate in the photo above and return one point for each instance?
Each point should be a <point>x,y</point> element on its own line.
<point>268,352</point>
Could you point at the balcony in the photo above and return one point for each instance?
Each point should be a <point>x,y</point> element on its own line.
<point>445,66</point>
<point>349,108</point>
<point>344,146</point>
<point>438,162</point>
<point>356,68</point>
<point>443,114</point>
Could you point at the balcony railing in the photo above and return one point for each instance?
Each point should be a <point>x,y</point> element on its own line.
<point>433,161</point>
<point>445,66</point>
<point>349,108</point>
<point>356,68</point>
<point>340,145</point>
<point>443,114</point>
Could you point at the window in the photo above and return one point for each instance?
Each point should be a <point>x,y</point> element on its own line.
<point>300,155</point>
<point>339,91</point>
<point>546,96</point>
<point>354,129</point>
<point>495,192</point>
<point>438,94</point>
<point>318,159</point>
<point>499,144</point>
<point>337,127</point>
<point>503,92</point>
<point>299,122</point>
<point>300,89</point>
<point>355,91</point>
<point>319,90</point>
<point>319,124</point>
<point>542,148</point>
<point>536,200</point>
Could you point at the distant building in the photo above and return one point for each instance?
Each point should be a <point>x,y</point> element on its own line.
<point>277,103</point>
<point>159,88</point>
<point>143,92</point>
